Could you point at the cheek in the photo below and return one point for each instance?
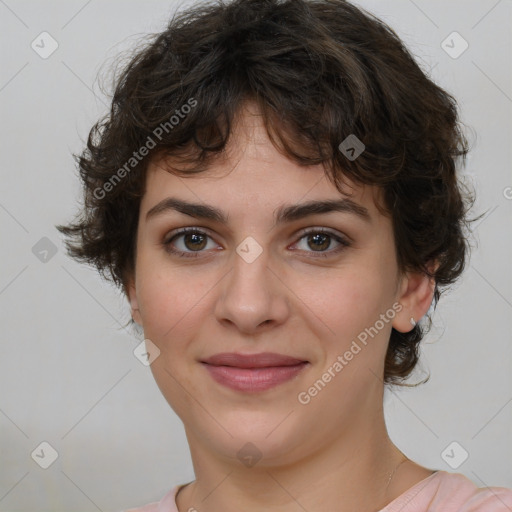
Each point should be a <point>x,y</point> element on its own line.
<point>346,302</point>
<point>171,310</point>
<point>171,301</point>
<point>350,306</point>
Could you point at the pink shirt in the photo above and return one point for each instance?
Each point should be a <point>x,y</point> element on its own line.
<point>440,492</point>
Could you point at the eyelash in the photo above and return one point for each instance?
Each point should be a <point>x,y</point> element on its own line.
<point>195,254</point>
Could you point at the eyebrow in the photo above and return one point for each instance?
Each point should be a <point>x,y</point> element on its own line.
<point>285,213</point>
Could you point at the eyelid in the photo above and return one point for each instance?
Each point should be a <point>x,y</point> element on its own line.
<point>189,229</point>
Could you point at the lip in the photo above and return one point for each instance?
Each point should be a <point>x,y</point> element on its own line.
<point>253,372</point>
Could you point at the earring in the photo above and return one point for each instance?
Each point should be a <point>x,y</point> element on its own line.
<point>138,329</point>
<point>413,322</point>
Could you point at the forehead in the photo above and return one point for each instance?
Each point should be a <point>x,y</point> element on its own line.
<point>250,173</point>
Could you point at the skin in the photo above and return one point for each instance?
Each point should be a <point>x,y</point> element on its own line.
<point>333,453</point>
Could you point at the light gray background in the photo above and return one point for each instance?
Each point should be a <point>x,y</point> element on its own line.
<point>68,374</point>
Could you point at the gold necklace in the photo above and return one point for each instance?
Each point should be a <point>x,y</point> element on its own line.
<point>405,459</point>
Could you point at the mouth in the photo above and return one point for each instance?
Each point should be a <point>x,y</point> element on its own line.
<point>253,372</point>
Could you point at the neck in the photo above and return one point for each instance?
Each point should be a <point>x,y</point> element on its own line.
<point>353,472</point>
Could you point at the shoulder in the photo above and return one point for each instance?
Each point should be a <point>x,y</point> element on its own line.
<point>456,491</point>
<point>452,492</point>
<point>166,504</point>
<point>489,499</point>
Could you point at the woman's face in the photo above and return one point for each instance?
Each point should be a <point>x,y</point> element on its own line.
<point>265,279</point>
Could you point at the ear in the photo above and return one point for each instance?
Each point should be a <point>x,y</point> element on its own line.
<point>415,296</point>
<point>131,294</point>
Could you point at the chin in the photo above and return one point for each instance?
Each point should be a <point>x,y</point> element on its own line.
<point>251,438</point>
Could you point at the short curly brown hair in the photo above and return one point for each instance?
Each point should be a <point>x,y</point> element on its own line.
<point>319,70</point>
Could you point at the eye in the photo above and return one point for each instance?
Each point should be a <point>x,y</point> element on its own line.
<point>320,240</point>
<point>192,242</point>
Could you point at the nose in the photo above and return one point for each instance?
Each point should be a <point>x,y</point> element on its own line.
<point>253,297</point>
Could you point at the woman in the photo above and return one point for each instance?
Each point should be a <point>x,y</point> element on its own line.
<point>275,191</point>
